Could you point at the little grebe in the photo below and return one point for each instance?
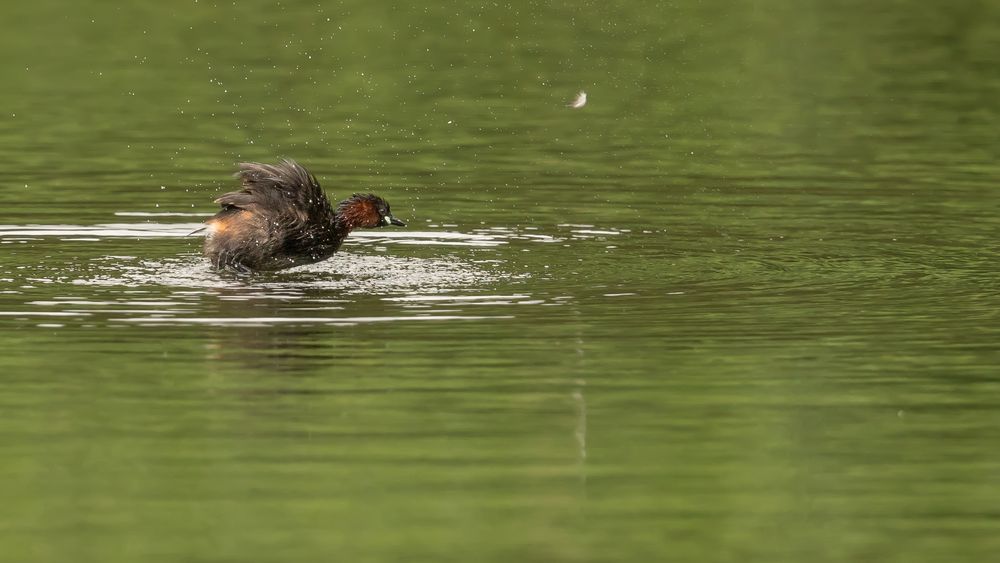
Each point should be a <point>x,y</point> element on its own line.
<point>281,218</point>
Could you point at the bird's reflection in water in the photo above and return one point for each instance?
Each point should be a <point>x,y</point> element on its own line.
<point>250,336</point>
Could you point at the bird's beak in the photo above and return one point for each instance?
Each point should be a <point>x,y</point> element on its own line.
<point>390,220</point>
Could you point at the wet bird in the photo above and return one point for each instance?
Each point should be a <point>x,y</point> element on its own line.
<point>282,218</point>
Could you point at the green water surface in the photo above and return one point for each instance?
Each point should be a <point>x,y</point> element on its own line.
<point>742,306</point>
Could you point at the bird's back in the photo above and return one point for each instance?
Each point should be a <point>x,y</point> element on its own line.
<point>279,218</point>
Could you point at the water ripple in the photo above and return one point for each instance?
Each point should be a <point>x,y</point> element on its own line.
<point>117,283</point>
<point>345,272</point>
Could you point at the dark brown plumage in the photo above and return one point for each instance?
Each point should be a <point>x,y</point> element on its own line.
<point>281,218</point>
